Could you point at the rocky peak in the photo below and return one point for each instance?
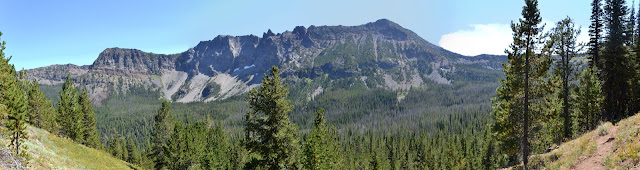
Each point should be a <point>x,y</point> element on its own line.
<point>268,34</point>
<point>300,31</point>
<point>132,61</point>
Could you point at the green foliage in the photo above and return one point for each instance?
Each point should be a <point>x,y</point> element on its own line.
<point>89,133</point>
<point>269,132</point>
<point>588,99</point>
<point>518,104</point>
<point>218,149</point>
<point>132,150</point>
<point>17,117</point>
<point>70,112</point>
<point>564,42</point>
<point>13,99</point>
<point>40,111</point>
<point>616,70</point>
<point>162,131</point>
<point>321,150</point>
<point>115,147</point>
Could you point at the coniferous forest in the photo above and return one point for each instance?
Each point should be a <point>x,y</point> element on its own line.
<point>551,89</point>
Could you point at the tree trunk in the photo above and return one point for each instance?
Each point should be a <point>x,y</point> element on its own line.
<point>525,128</point>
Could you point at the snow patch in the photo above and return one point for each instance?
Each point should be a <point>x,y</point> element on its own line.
<point>248,67</point>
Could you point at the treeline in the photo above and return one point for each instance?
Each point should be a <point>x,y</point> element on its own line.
<point>271,141</point>
<point>547,97</point>
<point>22,103</point>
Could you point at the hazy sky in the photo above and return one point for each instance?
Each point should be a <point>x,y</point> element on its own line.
<point>41,33</point>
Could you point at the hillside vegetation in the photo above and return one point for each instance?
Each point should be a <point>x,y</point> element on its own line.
<point>607,147</point>
<point>48,151</point>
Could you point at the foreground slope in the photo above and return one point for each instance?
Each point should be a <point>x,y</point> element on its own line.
<point>607,147</point>
<point>48,151</point>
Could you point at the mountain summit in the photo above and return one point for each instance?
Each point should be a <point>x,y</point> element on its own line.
<point>381,54</point>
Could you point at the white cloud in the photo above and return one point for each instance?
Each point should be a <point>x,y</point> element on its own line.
<point>482,39</point>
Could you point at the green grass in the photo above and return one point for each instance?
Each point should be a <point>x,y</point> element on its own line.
<point>48,151</point>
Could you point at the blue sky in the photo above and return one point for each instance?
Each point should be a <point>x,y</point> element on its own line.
<point>41,33</point>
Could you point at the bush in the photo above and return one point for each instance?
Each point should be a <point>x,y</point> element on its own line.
<point>603,129</point>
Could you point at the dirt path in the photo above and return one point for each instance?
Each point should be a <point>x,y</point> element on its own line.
<point>605,147</point>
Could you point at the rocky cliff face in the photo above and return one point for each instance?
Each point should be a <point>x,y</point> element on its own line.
<point>381,53</point>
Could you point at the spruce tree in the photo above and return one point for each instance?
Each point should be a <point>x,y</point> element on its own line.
<point>564,41</point>
<point>522,86</point>
<point>14,100</point>
<point>268,131</point>
<point>89,133</point>
<point>218,149</point>
<point>616,69</point>
<point>40,109</point>
<point>134,156</point>
<point>321,149</point>
<point>70,112</point>
<point>115,147</point>
<point>176,148</point>
<point>17,116</point>
<point>595,33</point>
<point>588,101</point>
<point>162,131</point>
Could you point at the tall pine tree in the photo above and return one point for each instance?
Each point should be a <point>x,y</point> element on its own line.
<point>588,101</point>
<point>69,111</point>
<point>321,151</point>
<point>89,133</point>
<point>595,33</point>
<point>268,131</point>
<point>40,110</point>
<point>522,86</point>
<point>564,41</point>
<point>616,69</point>
<point>14,101</point>
<point>162,131</point>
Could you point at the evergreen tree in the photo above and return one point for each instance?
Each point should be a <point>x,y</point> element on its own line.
<point>176,149</point>
<point>162,131</point>
<point>616,70</point>
<point>70,112</point>
<point>564,41</point>
<point>268,131</point>
<point>123,148</point>
<point>13,98</point>
<point>218,149</point>
<point>89,133</point>
<point>17,117</point>
<point>595,30</point>
<point>588,101</point>
<point>634,107</point>
<point>522,86</point>
<point>321,149</point>
<point>115,147</point>
<point>134,156</point>
<point>40,110</point>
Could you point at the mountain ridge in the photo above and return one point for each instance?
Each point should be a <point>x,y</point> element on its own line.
<point>394,57</point>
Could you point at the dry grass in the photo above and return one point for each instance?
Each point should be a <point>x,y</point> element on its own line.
<point>48,151</point>
<point>568,153</point>
<point>627,151</point>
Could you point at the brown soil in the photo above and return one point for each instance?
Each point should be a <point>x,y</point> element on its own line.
<point>605,146</point>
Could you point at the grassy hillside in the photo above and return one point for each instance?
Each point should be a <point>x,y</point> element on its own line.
<point>607,147</point>
<point>48,151</point>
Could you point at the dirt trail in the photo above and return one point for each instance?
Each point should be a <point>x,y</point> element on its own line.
<point>605,147</point>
